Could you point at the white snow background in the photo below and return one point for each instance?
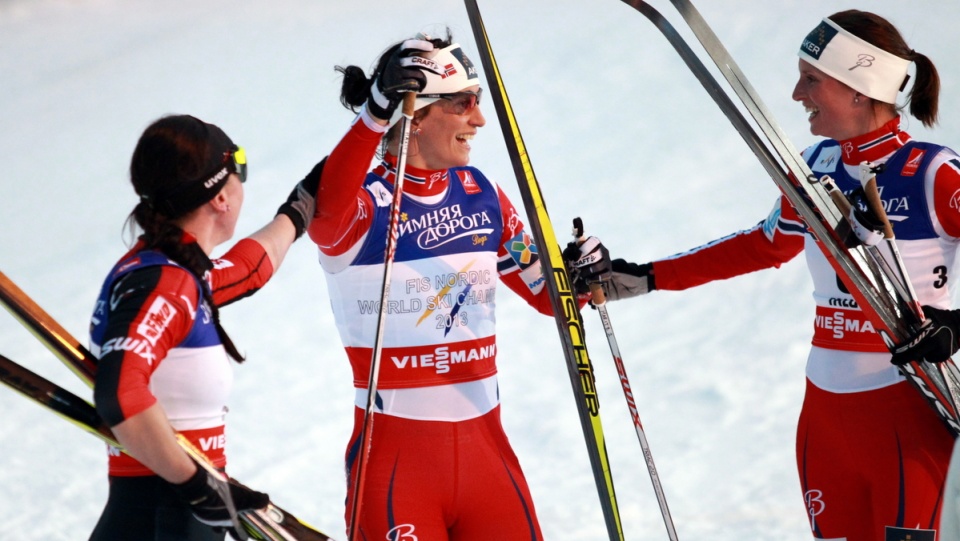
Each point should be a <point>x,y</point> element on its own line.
<point>619,133</point>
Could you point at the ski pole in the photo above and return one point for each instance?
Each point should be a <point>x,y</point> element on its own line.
<point>366,432</point>
<point>600,303</point>
<point>868,180</point>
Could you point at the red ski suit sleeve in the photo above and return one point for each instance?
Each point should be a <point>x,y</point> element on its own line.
<point>768,244</point>
<point>775,241</point>
<point>124,371</point>
<point>946,190</point>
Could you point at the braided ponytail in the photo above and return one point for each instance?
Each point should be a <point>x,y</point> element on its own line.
<point>172,152</point>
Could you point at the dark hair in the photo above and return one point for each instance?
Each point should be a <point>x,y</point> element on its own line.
<point>173,153</point>
<point>356,85</point>
<point>925,94</point>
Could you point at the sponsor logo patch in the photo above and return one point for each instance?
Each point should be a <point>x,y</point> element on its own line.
<point>403,532</point>
<point>826,158</point>
<point>893,533</point>
<point>440,358</point>
<point>470,185</point>
<point>156,320</point>
<point>913,163</point>
<point>817,40</point>
<point>955,200</point>
<point>135,345</point>
<point>770,224</point>
<point>522,250</point>
<point>467,64</point>
<point>815,505</point>
<point>863,61</point>
<point>447,224</point>
<point>381,195</point>
<point>222,263</point>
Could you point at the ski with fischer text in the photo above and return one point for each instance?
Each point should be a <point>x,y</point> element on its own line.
<point>869,272</point>
<point>564,300</point>
<point>271,523</point>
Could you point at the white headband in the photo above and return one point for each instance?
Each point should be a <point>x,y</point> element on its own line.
<point>450,71</point>
<point>858,64</point>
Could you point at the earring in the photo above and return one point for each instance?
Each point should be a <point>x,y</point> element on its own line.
<point>856,99</point>
<point>416,132</point>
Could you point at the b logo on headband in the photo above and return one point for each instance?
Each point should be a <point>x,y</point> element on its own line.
<point>864,60</point>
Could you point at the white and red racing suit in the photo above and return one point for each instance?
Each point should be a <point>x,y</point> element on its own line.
<point>440,465</point>
<point>871,454</point>
<point>157,342</point>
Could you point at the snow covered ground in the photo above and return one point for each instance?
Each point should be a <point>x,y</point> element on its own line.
<point>619,133</point>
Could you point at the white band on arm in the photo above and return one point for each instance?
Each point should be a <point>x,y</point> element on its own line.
<point>369,121</point>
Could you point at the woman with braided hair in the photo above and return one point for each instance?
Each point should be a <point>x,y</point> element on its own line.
<point>164,358</point>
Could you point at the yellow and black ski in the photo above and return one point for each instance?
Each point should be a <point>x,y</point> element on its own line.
<point>565,306</point>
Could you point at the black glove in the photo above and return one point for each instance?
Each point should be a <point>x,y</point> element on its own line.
<point>630,280</point>
<point>301,205</point>
<point>200,494</point>
<point>588,263</point>
<point>397,74</point>
<point>936,340</point>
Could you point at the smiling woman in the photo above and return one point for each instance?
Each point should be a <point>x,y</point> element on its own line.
<point>439,465</point>
<point>871,454</point>
<point>849,85</point>
<point>606,146</point>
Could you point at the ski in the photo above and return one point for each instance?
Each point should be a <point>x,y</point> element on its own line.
<point>62,402</point>
<point>47,330</point>
<point>866,271</point>
<point>272,523</point>
<point>563,299</point>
